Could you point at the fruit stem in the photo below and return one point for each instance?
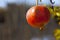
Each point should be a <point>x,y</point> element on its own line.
<point>36,2</point>
<point>53,8</point>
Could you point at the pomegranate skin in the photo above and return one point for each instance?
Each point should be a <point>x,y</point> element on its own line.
<point>37,16</point>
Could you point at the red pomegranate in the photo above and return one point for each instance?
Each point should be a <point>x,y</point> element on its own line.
<point>38,16</point>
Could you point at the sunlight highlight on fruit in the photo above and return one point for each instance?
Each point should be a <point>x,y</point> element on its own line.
<point>58,14</point>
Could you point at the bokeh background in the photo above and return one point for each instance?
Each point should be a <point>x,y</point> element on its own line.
<point>13,24</point>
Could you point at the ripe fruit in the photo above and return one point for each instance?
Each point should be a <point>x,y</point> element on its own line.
<point>38,16</point>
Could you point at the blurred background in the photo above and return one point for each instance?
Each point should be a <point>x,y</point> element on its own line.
<point>13,24</point>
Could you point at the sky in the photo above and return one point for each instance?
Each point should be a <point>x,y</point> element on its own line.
<point>30,2</point>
